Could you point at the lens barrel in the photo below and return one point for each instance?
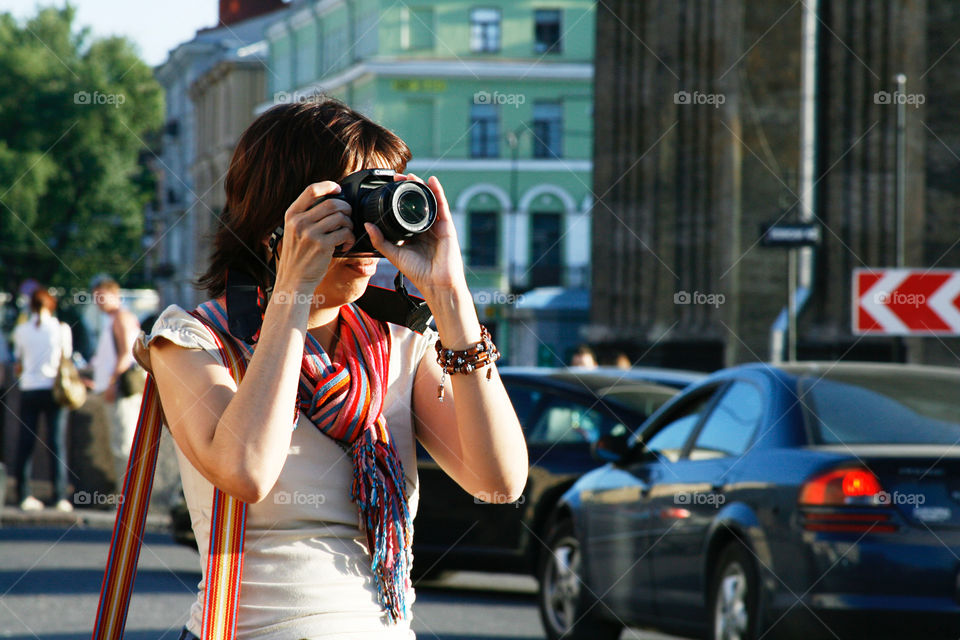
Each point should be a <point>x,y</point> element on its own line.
<point>401,209</point>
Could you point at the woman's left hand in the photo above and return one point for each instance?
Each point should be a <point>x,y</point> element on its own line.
<point>432,260</point>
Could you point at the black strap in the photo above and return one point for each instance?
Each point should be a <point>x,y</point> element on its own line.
<point>396,306</point>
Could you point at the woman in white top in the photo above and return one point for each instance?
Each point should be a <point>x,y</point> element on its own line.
<point>307,569</point>
<point>38,344</point>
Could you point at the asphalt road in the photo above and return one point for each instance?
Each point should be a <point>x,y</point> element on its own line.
<point>50,580</point>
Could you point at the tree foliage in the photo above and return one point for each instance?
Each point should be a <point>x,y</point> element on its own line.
<point>75,113</point>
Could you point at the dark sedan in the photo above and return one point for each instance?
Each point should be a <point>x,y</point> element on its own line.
<point>814,500</point>
<point>562,411</point>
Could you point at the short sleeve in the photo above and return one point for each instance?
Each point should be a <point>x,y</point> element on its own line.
<point>179,327</point>
<point>66,340</point>
<point>425,342</point>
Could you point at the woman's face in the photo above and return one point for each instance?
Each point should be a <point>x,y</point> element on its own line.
<point>347,277</point>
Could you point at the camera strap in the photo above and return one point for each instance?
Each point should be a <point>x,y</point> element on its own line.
<point>245,305</point>
<point>396,306</point>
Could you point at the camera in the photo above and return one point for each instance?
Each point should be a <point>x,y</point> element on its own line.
<point>400,209</point>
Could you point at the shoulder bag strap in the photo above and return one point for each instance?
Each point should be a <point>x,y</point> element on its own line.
<point>225,561</point>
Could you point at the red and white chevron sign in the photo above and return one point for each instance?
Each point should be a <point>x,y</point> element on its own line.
<point>906,302</point>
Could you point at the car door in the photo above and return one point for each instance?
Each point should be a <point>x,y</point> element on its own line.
<point>617,516</point>
<point>688,493</point>
<point>452,522</point>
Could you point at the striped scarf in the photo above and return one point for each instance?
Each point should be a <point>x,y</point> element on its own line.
<point>343,397</point>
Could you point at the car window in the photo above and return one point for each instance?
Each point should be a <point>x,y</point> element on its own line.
<point>729,427</point>
<point>566,421</point>
<point>524,400</point>
<point>668,441</point>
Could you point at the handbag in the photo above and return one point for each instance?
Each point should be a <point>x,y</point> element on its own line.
<point>225,558</point>
<point>68,388</point>
<point>132,381</point>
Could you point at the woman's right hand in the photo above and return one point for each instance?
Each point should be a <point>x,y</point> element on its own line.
<point>310,236</point>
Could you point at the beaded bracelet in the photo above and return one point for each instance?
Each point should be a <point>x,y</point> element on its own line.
<point>478,355</point>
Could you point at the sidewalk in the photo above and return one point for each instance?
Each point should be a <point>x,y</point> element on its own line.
<point>12,516</point>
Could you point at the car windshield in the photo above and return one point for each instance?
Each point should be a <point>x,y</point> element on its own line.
<point>889,406</point>
<point>642,398</point>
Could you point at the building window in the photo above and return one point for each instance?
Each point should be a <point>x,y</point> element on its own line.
<point>545,253</point>
<point>416,32</point>
<point>484,30</point>
<point>484,238</point>
<point>547,129</point>
<point>546,31</point>
<point>484,131</point>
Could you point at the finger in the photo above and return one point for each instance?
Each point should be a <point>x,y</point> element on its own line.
<point>327,208</point>
<point>415,178</point>
<point>343,237</point>
<point>389,250</point>
<point>311,193</point>
<point>331,223</point>
<point>443,207</point>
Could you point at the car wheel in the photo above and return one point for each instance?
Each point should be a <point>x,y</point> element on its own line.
<point>733,596</point>
<point>561,594</point>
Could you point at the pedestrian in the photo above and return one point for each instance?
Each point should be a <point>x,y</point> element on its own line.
<point>318,439</point>
<point>38,343</point>
<point>583,357</point>
<point>112,359</point>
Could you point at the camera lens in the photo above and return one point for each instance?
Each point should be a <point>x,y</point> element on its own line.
<point>413,208</point>
<point>401,209</point>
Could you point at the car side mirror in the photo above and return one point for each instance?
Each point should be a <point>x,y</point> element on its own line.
<point>613,448</point>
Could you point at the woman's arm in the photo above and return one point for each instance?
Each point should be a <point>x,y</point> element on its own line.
<point>474,433</point>
<point>238,437</point>
<point>476,438</point>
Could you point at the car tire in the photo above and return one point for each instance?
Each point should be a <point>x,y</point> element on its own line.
<point>734,596</point>
<point>564,609</point>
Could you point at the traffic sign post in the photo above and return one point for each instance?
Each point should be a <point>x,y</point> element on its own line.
<point>906,302</point>
<point>792,236</point>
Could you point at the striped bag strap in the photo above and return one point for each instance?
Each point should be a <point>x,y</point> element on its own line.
<point>228,517</point>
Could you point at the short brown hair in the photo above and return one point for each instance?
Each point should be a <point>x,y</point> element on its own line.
<point>41,298</point>
<point>287,148</point>
<point>106,283</point>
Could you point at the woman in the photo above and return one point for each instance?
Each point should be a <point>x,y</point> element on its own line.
<point>307,568</point>
<point>38,343</point>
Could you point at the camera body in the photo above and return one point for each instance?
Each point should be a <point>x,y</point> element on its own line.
<point>401,209</point>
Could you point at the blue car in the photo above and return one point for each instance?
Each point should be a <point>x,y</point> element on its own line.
<point>810,500</point>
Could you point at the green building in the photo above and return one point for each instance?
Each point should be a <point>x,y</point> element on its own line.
<point>495,98</point>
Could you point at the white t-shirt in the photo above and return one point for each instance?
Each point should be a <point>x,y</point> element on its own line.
<point>104,360</point>
<point>306,571</point>
<point>38,350</point>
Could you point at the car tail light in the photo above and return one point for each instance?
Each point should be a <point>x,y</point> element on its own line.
<point>845,500</point>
